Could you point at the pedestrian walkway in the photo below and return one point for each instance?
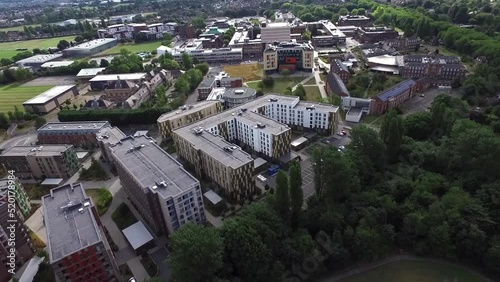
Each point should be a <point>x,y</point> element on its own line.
<point>140,274</point>
<point>303,81</point>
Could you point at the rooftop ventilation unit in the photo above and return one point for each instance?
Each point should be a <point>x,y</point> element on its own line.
<point>243,110</point>
<point>239,91</point>
<point>228,149</point>
<point>260,125</point>
<point>154,187</point>
<point>130,150</point>
<point>311,107</point>
<point>198,131</point>
<point>273,100</point>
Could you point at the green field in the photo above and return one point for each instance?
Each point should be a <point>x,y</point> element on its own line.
<point>132,47</point>
<point>13,95</point>
<point>280,84</point>
<point>313,93</point>
<point>16,28</point>
<point>415,271</point>
<point>8,49</point>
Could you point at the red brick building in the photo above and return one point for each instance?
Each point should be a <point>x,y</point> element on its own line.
<point>337,67</point>
<point>75,133</point>
<point>393,97</point>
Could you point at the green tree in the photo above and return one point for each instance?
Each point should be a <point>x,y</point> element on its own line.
<point>203,67</point>
<point>296,194</point>
<point>63,44</point>
<point>197,253</point>
<point>306,35</point>
<point>4,121</point>
<point>198,23</point>
<point>285,72</point>
<point>39,122</point>
<point>393,138</point>
<point>281,197</point>
<point>104,63</point>
<point>418,125</point>
<point>187,62</point>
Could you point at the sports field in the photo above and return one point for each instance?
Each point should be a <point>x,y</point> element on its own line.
<point>14,95</point>
<point>132,47</point>
<point>8,49</point>
<point>415,271</point>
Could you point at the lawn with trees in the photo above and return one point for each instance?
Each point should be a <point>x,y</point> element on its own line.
<point>102,199</point>
<point>427,185</point>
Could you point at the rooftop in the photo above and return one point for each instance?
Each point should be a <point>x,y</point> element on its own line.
<point>276,25</point>
<point>42,151</point>
<point>336,84</point>
<point>122,76</point>
<point>396,90</point>
<point>337,66</point>
<point>69,221</point>
<point>212,197</point>
<point>207,82</point>
<point>152,167</point>
<point>137,235</point>
<point>50,94</point>
<point>40,58</point>
<point>57,64</point>
<point>187,109</point>
<point>89,72</point>
<point>79,125</point>
<point>92,44</point>
<point>111,135</point>
<point>242,92</point>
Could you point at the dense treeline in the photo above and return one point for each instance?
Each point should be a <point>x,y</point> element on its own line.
<point>115,116</point>
<point>427,184</point>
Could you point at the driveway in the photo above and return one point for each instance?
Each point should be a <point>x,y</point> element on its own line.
<point>159,257</point>
<point>307,178</point>
<point>420,104</point>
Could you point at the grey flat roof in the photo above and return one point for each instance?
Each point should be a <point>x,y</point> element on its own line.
<point>259,162</point>
<point>241,92</point>
<point>48,95</point>
<point>69,221</point>
<point>137,235</point>
<point>187,109</point>
<point>42,151</point>
<point>150,165</point>
<point>111,135</point>
<point>78,126</point>
<point>57,64</point>
<point>207,82</point>
<point>89,72</point>
<point>212,197</point>
<point>298,141</point>
<point>123,76</point>
<point>39,58</point>
<point>52,181</point>
<point>91,44</point>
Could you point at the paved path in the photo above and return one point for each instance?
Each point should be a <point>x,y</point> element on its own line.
<point>321,85</point>
<point>370,266</point>
<point>216,221</point>
<point>303,81</point>
<point>138,270</point>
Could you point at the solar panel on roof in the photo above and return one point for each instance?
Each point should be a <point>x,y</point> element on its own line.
<point>396,90</point>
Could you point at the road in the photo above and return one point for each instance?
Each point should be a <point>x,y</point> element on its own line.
<point>26,139</point>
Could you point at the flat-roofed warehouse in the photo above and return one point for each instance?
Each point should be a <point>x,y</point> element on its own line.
<point>90,48</point>
<point>51,99</point>
<point>87,74</point>
<point>36,62</point>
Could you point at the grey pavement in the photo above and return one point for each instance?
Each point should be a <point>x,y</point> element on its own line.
<point>160,256</point>
<point>216,221</point>
<point>35,224</point>
<point>21,140</point>
<point>303,81</point>
<point>320,85</point>
<point>419,104</point>
<point>137,269</point>
<point>51,81</point>
<point>307,178</point>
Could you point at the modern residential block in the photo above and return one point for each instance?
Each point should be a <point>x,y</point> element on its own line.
<point>77,246</point>
<point>288,55</point>
<point>273,32</point>
<point>163,192</point>
<point>186,115</point>
<point>74,133</point>
<point>48,161</point>
<point>22,200</point>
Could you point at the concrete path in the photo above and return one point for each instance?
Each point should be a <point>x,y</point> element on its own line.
<point>303,82</point>
<point>35,224</point>
<point>321,85</point>
<point>216,221</point>
<point>140,274</point>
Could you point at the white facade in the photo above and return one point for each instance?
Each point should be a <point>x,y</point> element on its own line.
<point>211,55</point>
<point>273,32</point>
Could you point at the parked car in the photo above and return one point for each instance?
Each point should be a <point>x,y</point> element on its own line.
<point>132,280</point>
<point>261,178</point>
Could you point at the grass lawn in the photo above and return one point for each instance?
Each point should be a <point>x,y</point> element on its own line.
<point>372,119</point>
<point>249,72</point>
<point>123,217</point>
<point>101,197</point>
<point>14,95</point>
<point>313,93</point>
<point>132,47</point>
<point>16,28</point>
<point>416,271</point>
<point>280,84</point>
<point>8,49</point>
<point>35,192</point>
<point>311,81</point>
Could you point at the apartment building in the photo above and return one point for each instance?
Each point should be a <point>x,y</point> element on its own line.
<point>35,162</point>
<point>22,200</point>
<point>163,192</point>
<point>393,97</point>
<point>375,34</point>
<point>77,246</point>
<point>106,137</point>
<point>127,31</point>
<point>288,55</point>
<point>245,39</point>
<point>354,20</point>
<point>187,114</point>
<point>80,133</point>
<point>440,70</point>
<point>337,67</point>
<point>329,35</point>
<point>24,249</point>
<point>262,126</point>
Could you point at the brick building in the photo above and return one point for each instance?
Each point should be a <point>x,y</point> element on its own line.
<point>393,97</point>
<point>74,133</point>
<point>353,20</point>
<point>440,70</point>
<point>337,67</point>
<point>375,34</point>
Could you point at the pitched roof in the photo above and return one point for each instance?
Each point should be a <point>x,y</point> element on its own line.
<point>396,90</point>
<point>121,84</point>
<point>336,84</point>
<point>337,66</point>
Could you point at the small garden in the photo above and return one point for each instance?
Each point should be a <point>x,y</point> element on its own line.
<point>95,172</point>
<point>123,217</point>
<point>149,265</point>
<point>102,199</point>
<point>36,192</point>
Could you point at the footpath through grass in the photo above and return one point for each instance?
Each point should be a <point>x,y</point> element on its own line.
<point>415,271</point>
<point>280,84</point>
<point>14,95</point>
